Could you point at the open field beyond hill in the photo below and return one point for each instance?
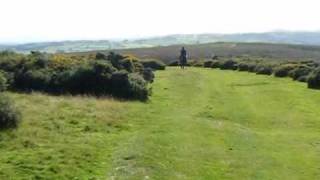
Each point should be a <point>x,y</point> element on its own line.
<point>278,52</point>
<point>198,124</point>
<point>205,51</point>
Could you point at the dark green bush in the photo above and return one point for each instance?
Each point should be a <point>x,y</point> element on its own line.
<point>101,56</point>
<point>129,86</point>
<point>303,79</point>
<point>93,78</point>
<point>215,64</point>
<point>138,87</point>
<point>3,82</point>
<point>138,66</point>
<point>243,67</point>
<point>56,73</point>
<point>10,61</point>
<point>174,63</point>
<point>252,67</point>
<point>154,64</point>
<point>283,70</point>
<point>148,74</point>
<point>229,64</point>
<point>263,69</point>
<point>196,63</point>
<point>116,60</point>
<point>208,63</point>
<point>300,73</point>
<point>32,80</point>
<point>314,79</point>
<point>9,115</point>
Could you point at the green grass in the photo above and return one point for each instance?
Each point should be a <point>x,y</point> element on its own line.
<point>199,124</point>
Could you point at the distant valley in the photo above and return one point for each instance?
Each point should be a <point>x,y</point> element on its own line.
<point>301,38</point>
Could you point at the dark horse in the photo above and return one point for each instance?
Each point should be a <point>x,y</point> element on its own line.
<point>183,58</point>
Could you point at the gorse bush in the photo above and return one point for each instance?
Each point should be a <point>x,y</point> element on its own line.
<point>283,70</point>
<point>130,86</point>
<point>174,63</point>
<point>153,64</point>
<point>229,64</point>
<point>300,73</point>
<point>208,63</point>
<point>9,115</point>
<point>314,79</point>
<point>196,63</point>
<point>81,75</point>
<point>215,64</point>
<point>148,74</point>
<point>32,80</point>
<point>3,82</point>
<point>243,67</point>
<point>263,69</point>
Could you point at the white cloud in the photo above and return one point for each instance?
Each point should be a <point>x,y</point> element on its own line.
<point>40,20</point>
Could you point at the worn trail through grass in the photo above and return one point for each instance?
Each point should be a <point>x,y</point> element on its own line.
<point>208,124</point>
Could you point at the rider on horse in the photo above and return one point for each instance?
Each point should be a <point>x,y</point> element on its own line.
<point>183,58</point>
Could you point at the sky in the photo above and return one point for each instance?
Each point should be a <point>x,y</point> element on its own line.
<point>56,20</point>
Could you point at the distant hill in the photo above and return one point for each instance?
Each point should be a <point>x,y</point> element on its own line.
<point>227,49</point>
<point>304,38</point>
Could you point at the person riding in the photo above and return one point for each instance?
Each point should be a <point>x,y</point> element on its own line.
<point>183,58</point>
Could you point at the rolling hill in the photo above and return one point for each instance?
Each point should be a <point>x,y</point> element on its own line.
<point>204,51</point>
<point>305,38</point>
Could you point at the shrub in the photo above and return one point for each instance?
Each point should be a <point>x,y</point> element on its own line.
<point>127,64</point>
<point>148,74</point>
<point>283,70</point>
<point>3,82</point>
<point>303,79</point>
<point>196,63</point>
<point>9,116</point>
<point>84,80</point>
<point>9,76</point>
<point>116,60</point>
<point>229,64</point>
<point>138,87</point>
<point>314,79</point>
<point>32,80</point>
<point>243,67</point>
<point>215,64</point>
<point>78,74</point>
<point>90,79</point>
<point>130,86</point>
<point>154,64</point>
<point>300,73</point>
<point>9,61</point>
<point>208,63</point>
<point>101,56</point>
<point>252,67</point>
<point>174,63</point>
<point>138,66</point>
<point>263,69</point>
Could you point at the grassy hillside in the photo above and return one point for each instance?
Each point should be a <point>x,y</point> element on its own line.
<point>61,137</point>
<point>199,124</point>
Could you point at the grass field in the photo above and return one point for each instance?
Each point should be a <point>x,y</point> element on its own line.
<point>198,124</point>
